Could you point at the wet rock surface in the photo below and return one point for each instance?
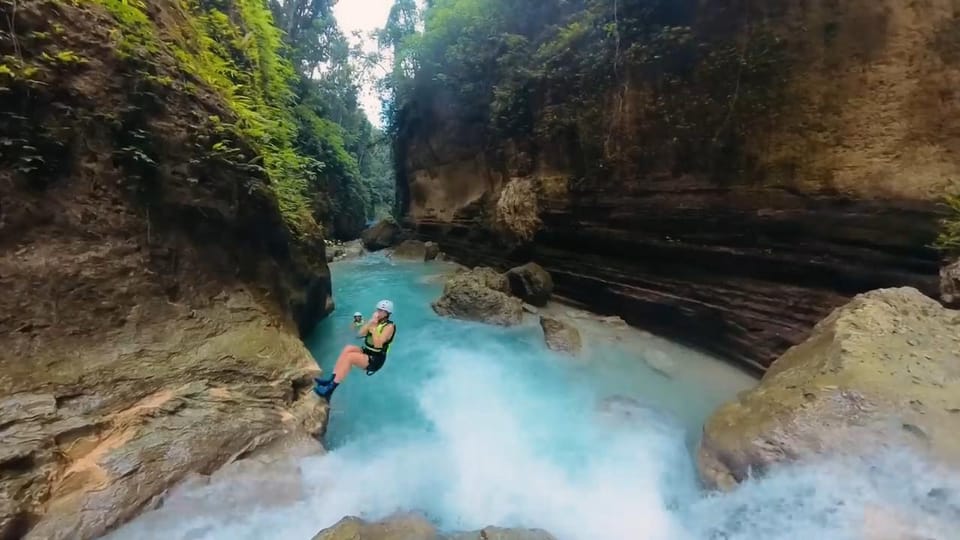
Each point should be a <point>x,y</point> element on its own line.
<point>468,296</point>
<point>416,527</point>
<point>345,251</point>
<point>386,233</point>
<point>531,283</point>
<point>881,372</point>
<point>149,327</point>
<point>268,479</point>
<point>87,444</point>
<point>560,335</point>
<point>628,412</point>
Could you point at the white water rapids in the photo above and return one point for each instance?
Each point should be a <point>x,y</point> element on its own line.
<point>477,425</point>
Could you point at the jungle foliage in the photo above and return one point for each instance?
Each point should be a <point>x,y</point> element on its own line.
<point>284,73</point>
<point>562,69</point>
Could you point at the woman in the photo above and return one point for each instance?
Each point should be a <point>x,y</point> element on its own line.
<point>378,334</point>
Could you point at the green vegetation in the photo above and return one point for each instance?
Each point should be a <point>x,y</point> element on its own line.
<point>278,105</point>
<point>234,47</point>
<point>949,239</point>
<point>563,69</point>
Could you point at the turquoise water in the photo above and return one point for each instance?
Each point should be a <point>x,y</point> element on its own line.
<point>477,425</point>
<point>485,363</point>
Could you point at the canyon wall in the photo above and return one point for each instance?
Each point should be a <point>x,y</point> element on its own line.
<point>792,155</point>
<point>154,292</point>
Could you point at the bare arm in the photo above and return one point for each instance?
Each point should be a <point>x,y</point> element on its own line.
<point>384,337</point>
<point>366,328</point>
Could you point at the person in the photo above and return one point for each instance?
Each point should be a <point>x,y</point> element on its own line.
<point>358,320</point>
<point>378,334</point>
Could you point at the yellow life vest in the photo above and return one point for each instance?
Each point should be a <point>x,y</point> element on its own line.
<point>375,333</point>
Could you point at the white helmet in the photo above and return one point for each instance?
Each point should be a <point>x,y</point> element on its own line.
<point>385,305</point>
<point>358,314</point>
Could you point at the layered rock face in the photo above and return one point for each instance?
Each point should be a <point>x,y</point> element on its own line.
<point>881,372</point>
<point>149,316</point>
<point>820,182</point>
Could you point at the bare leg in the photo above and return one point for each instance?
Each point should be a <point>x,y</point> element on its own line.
<point>351,356</point>
<point>328,378</point>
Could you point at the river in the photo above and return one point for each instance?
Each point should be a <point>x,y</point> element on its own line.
<point>477,425</point>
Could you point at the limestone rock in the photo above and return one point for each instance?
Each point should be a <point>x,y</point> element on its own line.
<point>142,338</point>
<point>415,250</point>
<point>466,296</point>
<point>560,335</point>
<point>491,278</point>
<point>882,371</point>
<point>497,533</point>
<point>384,234</point>
<point>399,527</point>
<point>950,284</point>
<point>531,283</point>
<point>416,527</point>
<point>350,250</point>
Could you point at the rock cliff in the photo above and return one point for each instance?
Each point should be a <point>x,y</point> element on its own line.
<point>153,291</point>
<point>729,189</point>
<point>878,373</point>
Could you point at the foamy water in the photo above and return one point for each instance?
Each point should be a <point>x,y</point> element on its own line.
<point>474,425</point>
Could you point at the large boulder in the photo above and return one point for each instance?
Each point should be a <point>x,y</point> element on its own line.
<point>950,284</point>
<point>881,372</point>
<point>466,296</point>
<point>384,234</point>
<point>531,283</point>
<point>415,250</point>
<point>416,527</point>
<point>560,335</point>
<point>490,278</point>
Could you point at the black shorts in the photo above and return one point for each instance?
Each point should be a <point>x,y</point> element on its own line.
<point>374,361</point>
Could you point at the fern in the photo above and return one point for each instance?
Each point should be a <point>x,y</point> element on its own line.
<point>949,238</point>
